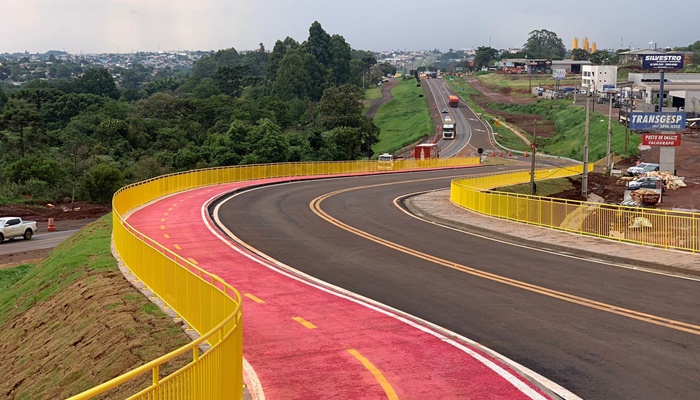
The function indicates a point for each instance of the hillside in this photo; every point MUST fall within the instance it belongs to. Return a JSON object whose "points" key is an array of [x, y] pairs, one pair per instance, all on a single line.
{"points": [[73, 321]]}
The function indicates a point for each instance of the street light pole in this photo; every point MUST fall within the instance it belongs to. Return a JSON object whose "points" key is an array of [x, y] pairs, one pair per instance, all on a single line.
{"points": [[584, 179], [608, 160], [533, 188]]}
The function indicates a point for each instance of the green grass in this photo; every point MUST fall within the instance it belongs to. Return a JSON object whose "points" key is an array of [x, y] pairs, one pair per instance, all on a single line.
{"points": [[373, 93], [569, 121], [520, 84], [10, 276], [404, 119], [544, 188]]}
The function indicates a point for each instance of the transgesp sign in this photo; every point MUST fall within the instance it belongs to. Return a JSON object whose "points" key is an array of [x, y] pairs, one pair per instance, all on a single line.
{"points": [[649, 121]]}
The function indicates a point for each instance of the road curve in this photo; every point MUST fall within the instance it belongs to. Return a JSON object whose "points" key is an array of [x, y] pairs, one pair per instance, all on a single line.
{"points": [[598, 330]]}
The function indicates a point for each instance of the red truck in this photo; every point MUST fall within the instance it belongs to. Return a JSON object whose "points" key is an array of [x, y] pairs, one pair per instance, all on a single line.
{"points": [[426, 151], [454, 101]]}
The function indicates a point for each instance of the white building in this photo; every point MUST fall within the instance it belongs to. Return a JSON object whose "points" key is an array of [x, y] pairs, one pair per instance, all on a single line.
{"points": [[597, 78]]}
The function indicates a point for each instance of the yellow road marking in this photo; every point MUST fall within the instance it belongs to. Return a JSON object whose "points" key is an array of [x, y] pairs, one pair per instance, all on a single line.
{"points": [[165, 214], [255, 299], [315, 206], [175, 205], [166, 236], [390, 393], [304, 322], [162, 227], [162, 220], [177, 247], [193, 261]]}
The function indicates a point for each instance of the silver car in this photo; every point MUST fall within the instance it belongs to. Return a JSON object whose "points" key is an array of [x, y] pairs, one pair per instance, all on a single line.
{"points": [[642, 168]]}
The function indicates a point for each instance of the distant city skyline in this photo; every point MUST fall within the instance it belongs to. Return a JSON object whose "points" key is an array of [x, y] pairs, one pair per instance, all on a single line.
{"points": [[125, 26]]}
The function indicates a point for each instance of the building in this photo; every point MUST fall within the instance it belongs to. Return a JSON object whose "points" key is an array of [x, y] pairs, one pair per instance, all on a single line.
{"points": [[598, 78], [571, 66], [634, 57], [681, 91]]}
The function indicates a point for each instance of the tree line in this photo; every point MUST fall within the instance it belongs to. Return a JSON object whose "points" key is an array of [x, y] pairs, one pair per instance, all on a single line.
{"points": [[86, 137]]}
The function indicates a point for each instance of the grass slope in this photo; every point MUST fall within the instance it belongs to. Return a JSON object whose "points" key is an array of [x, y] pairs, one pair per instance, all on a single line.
{"points": [[402, 120], [521, 84], [73, 321], [570, 122]]}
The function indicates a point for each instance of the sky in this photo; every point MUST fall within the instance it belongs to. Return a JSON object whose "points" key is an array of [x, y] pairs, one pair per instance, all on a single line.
{"points": [[124, 26]]}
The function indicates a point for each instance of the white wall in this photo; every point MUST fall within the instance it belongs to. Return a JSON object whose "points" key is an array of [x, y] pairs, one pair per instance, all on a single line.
{"points": [[595, 76]]}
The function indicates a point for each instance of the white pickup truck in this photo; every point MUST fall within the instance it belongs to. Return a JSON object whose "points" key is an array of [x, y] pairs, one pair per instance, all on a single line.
{"points": [[12, 227]]}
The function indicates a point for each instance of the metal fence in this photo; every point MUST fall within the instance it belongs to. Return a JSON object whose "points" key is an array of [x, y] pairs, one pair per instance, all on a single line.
{"points": [[646, 226], [203, 300]]}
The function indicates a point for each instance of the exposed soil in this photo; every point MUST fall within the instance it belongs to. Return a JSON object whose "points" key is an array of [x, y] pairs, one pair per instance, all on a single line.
{"points": [[59, 212], [687, 159], [386, 96]]}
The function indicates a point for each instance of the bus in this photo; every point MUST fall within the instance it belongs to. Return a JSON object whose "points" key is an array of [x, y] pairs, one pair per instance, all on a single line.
{"points": [[449, 130]]}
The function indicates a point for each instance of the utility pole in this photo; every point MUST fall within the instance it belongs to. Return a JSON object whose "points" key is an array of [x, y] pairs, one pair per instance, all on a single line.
{"points": [[584, 179], [608, 159], [533, 185]]}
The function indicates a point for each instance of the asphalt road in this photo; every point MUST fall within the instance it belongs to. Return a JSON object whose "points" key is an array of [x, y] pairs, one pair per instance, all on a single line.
{"points": [[626, 334], [40, 241]]}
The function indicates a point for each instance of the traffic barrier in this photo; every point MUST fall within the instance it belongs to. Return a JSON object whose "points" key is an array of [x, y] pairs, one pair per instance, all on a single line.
{"points": [[51, 227]]}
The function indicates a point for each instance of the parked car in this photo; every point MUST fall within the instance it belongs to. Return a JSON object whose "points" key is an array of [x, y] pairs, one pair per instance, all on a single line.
{"points": [[642, 168], [12, 227], [646, 182]]}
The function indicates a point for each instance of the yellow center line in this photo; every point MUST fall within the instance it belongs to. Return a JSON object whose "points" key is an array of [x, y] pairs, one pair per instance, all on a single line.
{"points": [[304, 322], [169, 209], [162, 227], [193, 261], [255, 299], [177, 247], [315, 206], [162, 220], [165, 214], [166, 236], [390, 393]]}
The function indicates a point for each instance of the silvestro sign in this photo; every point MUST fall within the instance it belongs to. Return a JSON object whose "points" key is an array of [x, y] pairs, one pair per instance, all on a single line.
{"points": [[662, 61], [648, 121]]}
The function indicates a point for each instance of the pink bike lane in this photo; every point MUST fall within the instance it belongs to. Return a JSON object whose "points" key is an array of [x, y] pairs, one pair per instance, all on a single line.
{"points": [[308, 341]]}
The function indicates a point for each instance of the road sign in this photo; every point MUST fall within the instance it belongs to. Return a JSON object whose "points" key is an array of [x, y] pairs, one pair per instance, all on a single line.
{"points": [[654, 139], [649, 121], [459, 69], [559, 74], [662, 61]]}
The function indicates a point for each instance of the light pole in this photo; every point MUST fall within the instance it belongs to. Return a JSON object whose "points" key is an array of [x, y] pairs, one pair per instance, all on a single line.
{"points": [[533, 188], [584, 179], [608, 159]]}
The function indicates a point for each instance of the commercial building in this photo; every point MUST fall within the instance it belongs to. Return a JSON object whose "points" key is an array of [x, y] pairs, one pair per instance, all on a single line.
{"points": [[598, 78]]}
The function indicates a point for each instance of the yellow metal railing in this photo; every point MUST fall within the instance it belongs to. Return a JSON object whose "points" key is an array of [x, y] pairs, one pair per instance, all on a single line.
{"points": [[207, 303], [651, 227]]}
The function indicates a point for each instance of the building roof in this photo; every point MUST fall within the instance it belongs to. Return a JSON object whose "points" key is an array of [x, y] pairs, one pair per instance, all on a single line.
{"points": [[571, 62]]}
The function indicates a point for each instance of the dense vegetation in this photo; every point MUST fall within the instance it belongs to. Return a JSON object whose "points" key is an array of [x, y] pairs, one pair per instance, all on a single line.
{"points": [[85, 137]]}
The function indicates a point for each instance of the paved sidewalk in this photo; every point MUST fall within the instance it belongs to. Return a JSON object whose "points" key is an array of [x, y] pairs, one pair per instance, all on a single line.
{"points": [[436, 206]]}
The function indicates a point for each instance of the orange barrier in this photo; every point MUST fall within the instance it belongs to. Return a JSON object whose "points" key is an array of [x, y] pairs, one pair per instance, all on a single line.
{"points": [[51, 227]]}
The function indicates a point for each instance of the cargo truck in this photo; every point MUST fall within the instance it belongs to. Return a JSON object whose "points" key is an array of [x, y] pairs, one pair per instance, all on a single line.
{"points": [[454, 101], [426, 151]]}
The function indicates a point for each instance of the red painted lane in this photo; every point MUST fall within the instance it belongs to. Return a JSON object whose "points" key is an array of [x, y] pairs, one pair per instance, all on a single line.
{"points": [[295, 362]]}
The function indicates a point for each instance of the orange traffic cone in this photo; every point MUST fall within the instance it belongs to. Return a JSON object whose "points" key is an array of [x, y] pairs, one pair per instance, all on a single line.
{"points": [[493, 153], [51, 227], [510, 154], [500, 153], [526, 154]]}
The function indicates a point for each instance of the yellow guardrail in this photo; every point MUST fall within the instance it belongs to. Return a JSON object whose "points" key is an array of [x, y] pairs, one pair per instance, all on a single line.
{"points": [[651, 227], [203, 300]]}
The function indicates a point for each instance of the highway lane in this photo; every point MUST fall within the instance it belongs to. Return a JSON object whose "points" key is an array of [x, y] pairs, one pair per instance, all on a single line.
{"points": [[40, 241], [596, 352], [450, 147]]}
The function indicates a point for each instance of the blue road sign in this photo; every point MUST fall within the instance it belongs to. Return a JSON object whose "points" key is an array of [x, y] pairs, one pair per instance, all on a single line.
{"points": [[649, 121]]}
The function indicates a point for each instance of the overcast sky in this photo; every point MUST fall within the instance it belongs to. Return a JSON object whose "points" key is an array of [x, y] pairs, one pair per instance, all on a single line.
{"points": [[93, 26]]}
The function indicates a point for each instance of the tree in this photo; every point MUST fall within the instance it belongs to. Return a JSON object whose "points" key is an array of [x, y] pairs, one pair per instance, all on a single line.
{"points": [[484, 56], [3, 98], [19, 120], [544, 44], [293, 81], [580, 54], [368, 61], [319, 44], [97, 81], [341, 56], [101, 182], [232, 79], [278, 53], [267, 143], [37, 92], [603, 57]]}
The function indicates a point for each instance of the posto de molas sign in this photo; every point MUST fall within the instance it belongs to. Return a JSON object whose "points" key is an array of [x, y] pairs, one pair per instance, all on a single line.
{"points": [[662, 61], [657, 139]]}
